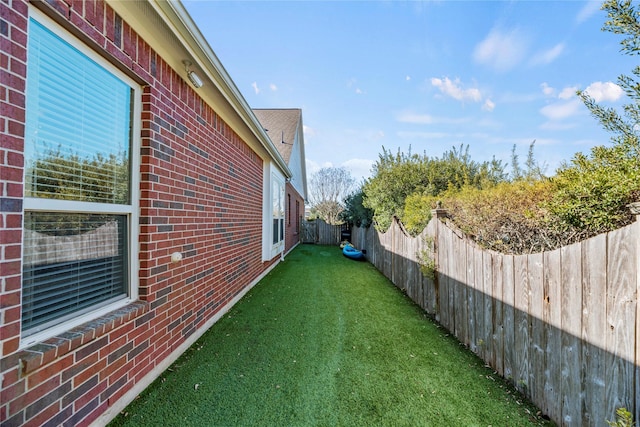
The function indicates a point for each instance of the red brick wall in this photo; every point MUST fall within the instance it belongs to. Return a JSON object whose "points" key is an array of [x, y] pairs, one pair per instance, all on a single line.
{"points": [[293, 219], [201, 195]]}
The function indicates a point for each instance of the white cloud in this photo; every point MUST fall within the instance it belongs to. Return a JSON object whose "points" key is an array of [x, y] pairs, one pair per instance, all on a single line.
{"points": [[556, 126], [308, 132], [568, 92], [255, 87], [313, 166], [455, 90], [561, 110], [548, 56], [353, 84], [422, 135], [501, 50], [407, 78], [607, 91], [364, 135], [547, 90], [420, 119], [590, 8], [427, 119], [488, 105], [273, 87], [359, 168]]}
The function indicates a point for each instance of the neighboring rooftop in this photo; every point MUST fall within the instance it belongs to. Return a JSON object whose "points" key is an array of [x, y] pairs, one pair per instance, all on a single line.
{"points": [[281, 125]]}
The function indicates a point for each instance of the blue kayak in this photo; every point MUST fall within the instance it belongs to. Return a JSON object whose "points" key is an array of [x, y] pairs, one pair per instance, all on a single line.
{"points": [[350, 252]]}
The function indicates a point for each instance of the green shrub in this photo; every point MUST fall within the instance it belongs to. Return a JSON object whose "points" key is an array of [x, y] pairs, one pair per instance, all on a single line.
{"points": [[398, 176], [590, 196], [506, 218], [623, 419]]}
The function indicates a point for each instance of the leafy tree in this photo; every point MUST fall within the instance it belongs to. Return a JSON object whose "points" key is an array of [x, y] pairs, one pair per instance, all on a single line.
{"points": [[58, 175], [355, 212], [533, 169], [329, 187], [593, 190], [398, 176]]}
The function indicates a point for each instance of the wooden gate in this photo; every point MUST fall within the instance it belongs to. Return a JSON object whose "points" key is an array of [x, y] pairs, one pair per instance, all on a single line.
{"points": [[309, 232]]}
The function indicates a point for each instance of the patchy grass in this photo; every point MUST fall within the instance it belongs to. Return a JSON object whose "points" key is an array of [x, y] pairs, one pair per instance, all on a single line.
{"points": [[327, 341]]}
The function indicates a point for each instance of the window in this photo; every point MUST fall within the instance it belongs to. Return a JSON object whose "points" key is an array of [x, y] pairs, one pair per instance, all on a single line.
{"points": [[80, 198], [277, 194]]}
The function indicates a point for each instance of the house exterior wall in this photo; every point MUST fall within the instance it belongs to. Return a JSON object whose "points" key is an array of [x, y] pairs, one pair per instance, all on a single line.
{"points": [[200, 194], [294, 215], [297, 163]]}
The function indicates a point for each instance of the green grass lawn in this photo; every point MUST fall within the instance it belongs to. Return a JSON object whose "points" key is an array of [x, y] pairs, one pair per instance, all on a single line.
{"points": [[327, 341]]}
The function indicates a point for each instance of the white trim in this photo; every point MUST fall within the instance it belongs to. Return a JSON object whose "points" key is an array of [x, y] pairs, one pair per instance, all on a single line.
{"points": [[130, 210], [57, 205], [175, 15], [271, 174], [112, 411]]}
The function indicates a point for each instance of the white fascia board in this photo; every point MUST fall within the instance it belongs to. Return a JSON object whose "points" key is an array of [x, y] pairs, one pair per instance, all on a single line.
{"points": [[181, 21], [303, 158], [196, 49]]}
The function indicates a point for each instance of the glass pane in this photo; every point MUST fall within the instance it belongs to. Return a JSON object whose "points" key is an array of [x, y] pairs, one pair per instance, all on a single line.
{"points": [[275, 231], [282, 229], [275, 195], [77, 142], [72, 263]]}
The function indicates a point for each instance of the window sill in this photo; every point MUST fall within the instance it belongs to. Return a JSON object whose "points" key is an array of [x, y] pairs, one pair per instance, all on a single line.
{"points": [[38, 355]]}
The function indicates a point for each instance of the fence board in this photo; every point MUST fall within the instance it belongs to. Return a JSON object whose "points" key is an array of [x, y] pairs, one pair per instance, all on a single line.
{"points": [[487, 306], [571, 332], [412, 270], [478, 336], [328, 234], [446, 316], [552, 315], [521, 319], [497, 314], [535, 272], [460, 290], [431, 285], [508, 284], [594, 329], [101, 242], [386, 243], [621, 300], [470, 300]]}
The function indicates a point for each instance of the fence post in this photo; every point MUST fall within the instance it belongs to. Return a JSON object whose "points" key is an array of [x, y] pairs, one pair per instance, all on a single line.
{"points": [[437, 214]]}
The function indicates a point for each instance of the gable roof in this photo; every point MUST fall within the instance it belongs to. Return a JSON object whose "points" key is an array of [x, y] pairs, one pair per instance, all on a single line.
{"points": [[281, 125], [285, 129]]}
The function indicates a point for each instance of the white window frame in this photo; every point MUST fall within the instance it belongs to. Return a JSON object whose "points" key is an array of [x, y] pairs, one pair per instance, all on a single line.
{"points": [[131, 210], [272, 175]]}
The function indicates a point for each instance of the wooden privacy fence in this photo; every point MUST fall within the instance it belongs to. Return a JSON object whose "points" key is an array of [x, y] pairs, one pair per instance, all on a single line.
{"points": [[45, 249], [563, 326], [318, 231]]}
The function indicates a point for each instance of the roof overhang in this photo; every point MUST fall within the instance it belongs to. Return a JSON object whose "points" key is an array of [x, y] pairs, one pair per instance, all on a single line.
{"points": [[171, 32]]}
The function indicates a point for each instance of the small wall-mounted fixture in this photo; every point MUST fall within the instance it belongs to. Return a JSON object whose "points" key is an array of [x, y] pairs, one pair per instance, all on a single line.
{"points": [[176, 257], [193, 77]]}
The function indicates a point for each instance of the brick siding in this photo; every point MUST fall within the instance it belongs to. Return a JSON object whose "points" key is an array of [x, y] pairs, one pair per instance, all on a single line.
{"points": [[200, 194], [293, 219]]}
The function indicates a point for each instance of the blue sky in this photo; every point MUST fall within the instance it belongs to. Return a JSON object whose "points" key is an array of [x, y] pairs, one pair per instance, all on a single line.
{"points": [[428, 75]]}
